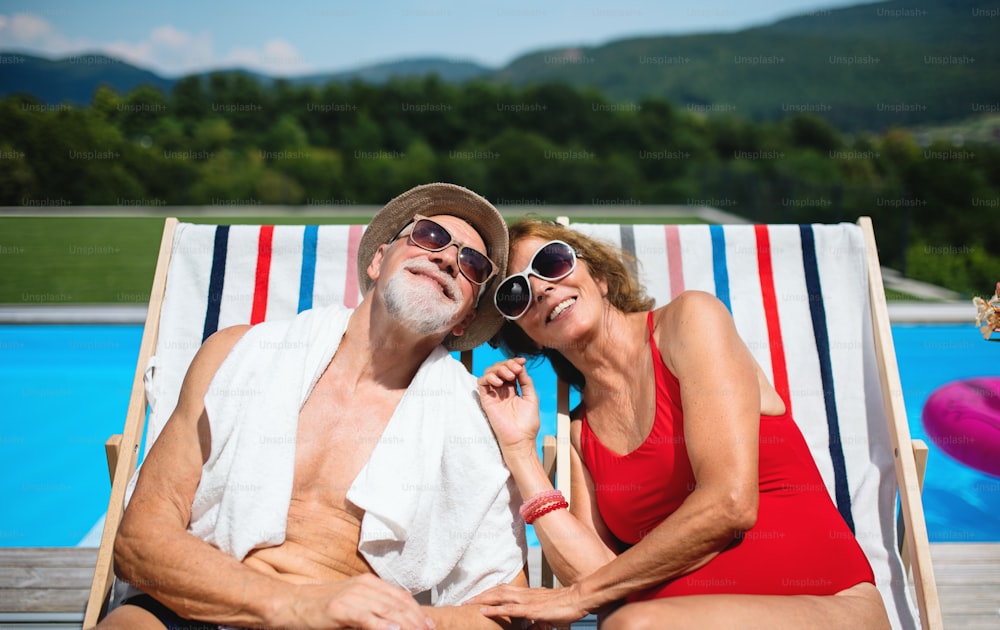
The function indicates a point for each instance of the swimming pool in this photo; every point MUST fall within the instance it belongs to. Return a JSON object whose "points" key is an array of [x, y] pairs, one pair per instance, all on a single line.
{"points": [[66, 388], [960, 503]]}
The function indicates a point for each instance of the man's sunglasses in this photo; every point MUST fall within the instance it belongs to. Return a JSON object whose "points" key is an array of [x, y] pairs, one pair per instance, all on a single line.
{"points": [[433, 237], [553, 261]]}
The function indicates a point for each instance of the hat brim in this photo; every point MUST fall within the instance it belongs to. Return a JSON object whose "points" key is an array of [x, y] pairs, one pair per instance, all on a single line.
{"points": [[442, 198]]}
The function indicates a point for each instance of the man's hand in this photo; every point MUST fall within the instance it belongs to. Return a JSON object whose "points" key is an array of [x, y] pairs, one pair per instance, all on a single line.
{"points": [[365, 602]]}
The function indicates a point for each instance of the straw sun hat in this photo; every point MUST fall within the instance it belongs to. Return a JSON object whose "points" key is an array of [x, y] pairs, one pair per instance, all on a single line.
{"points": [[439, 198]]}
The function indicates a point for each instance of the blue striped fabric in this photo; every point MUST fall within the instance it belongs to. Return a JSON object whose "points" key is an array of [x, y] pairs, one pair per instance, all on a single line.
{"points": [[719, 265], [308, 277], [627, 234], [820, 331], [216, 280]]}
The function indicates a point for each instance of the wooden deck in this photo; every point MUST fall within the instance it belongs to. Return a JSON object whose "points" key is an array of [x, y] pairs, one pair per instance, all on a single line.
{"points": [[968, 581], [47, 588]]}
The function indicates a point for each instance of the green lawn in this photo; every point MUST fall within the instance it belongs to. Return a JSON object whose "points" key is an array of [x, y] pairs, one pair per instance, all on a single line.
{"points": [[77, 260], [87, 260], [109, 260], [895, 295]]}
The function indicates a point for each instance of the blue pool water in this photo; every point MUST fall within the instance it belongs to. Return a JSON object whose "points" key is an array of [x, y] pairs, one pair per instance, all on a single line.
{"points": [[65, 389], [960, 503]]}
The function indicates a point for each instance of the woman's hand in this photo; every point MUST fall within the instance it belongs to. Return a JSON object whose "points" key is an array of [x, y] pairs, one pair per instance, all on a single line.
{"points": [[541, 605], [513, 416]]}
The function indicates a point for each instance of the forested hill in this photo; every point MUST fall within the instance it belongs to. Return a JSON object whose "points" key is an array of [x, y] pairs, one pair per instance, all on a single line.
{"points": [[72, 79], [75, 79], [869, 66]]}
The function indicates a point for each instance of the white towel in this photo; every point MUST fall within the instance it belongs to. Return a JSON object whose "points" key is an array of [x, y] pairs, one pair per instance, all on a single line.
{"points": [[252, 405], [440, 507]]}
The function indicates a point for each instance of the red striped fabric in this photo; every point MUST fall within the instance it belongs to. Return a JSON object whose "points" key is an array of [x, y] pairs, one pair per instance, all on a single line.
{"points": [[351, 288], [259, 311], [775, 343], [674, 260]]}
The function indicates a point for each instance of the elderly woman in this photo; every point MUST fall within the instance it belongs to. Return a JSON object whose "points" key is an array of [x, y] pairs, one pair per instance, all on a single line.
{"points": [[696, 501]]}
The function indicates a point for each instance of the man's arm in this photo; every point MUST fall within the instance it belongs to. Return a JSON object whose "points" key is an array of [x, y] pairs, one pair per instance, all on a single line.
{"points": [[155, 552]]}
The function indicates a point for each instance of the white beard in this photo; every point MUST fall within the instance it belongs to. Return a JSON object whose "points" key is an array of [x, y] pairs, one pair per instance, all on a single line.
{"points": [[411, 302]]}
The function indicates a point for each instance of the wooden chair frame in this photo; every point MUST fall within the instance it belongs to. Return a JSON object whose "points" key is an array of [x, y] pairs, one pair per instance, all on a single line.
{"points": [[123, 450]]}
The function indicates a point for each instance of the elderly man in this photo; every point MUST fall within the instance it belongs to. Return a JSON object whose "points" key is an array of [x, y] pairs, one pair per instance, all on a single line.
{"points": [[336, 470]]}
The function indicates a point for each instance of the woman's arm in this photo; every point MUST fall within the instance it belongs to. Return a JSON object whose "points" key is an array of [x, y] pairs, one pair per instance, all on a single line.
{"points": [[576, 542]]}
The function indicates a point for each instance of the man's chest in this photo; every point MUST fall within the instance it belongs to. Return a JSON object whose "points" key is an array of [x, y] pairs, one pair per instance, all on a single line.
{"points": [[337, 433]]}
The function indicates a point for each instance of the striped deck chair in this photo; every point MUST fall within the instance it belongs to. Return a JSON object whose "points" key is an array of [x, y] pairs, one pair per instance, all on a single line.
{"points": [[809, 302], [209, 277]]}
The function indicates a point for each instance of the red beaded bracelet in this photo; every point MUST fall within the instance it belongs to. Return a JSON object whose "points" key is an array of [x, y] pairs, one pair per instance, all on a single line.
{"points": [[540, 499], [559, 505]]}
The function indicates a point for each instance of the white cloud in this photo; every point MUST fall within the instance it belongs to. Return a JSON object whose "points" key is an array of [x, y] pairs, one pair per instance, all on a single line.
{"points": [[25, 27], [167, 49], [30, 32], [277, 57], [171, 37]]}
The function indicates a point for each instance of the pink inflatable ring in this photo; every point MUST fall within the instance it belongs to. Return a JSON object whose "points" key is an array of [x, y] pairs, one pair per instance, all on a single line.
{"points": [[963, 419]]}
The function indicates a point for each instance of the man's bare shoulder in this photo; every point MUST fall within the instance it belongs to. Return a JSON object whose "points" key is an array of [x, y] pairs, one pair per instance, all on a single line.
{"points": [[222, 342], [209, 357]]}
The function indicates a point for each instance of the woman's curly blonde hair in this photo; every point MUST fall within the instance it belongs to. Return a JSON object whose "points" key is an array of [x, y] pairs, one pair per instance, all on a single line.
{"points": [[604, 261]]}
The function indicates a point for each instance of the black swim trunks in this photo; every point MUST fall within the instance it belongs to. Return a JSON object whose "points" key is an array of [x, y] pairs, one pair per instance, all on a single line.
{"points": [[167, 617]]}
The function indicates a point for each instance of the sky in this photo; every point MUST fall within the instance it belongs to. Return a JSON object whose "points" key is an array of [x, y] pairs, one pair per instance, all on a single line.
{"points": [[297, 37]]}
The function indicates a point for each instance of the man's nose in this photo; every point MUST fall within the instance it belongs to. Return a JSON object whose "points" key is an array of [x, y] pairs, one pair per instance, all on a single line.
{"points": [[447, 259]]}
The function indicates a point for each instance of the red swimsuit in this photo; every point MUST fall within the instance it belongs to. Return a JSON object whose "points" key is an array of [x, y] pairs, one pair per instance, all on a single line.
{"points": [[800, 543]]}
